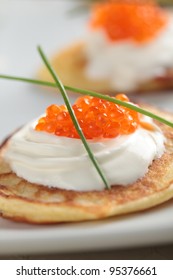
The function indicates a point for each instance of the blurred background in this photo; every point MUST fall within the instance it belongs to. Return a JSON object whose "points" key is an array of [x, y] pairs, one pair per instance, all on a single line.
{"points": [[86, 3], [23, 26]]}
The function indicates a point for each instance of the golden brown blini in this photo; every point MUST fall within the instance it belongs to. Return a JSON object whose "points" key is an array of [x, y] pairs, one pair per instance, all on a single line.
{"points": [[32, 203]]}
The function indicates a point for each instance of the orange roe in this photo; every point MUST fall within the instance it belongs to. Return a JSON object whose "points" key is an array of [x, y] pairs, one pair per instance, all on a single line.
{"points": [[97, 118], [136, 20]]}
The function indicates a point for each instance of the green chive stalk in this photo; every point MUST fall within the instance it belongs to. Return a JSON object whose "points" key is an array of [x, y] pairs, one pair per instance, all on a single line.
{"points": [[59, 85], [91, 93]]}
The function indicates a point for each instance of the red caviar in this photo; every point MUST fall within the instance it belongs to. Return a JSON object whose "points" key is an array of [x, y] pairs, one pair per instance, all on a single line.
{"points": [[136, 20], [98, 118]]}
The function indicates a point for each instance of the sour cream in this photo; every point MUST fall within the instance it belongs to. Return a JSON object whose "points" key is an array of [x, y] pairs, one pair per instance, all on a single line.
{"points": [[126, 64], [53, 161]]}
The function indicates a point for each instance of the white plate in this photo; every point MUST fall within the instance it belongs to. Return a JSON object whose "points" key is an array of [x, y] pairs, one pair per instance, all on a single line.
{"points": [[24, 25], [149, 227]]}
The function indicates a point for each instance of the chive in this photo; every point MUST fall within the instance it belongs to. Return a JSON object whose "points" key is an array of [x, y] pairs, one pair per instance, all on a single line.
{"points": [[92, 93], [73, 117]]}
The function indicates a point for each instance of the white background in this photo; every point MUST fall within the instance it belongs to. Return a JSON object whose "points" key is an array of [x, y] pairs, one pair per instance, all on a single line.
{"points": [[163, 269]]}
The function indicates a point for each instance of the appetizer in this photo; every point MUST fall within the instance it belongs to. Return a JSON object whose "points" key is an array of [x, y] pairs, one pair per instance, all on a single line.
{"points": [[46, 175], [129, 47]]}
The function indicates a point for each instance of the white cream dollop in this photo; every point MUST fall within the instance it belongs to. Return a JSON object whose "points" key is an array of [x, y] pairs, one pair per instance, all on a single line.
{"points": [[126, 64], [53, 161]]}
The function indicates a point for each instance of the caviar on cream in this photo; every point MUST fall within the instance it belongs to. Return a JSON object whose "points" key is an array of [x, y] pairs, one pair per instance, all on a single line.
{"points": [[126, 64], [62, 162]]}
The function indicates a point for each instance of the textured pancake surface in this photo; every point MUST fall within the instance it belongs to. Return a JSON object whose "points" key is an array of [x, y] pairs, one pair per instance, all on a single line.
{"points": [[70, 67], [32, 203]]}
